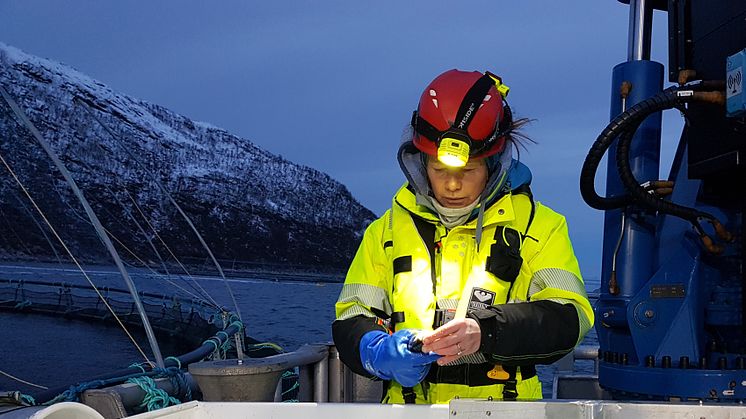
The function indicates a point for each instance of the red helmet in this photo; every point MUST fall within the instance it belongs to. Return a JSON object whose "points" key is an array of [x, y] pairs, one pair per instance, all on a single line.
{"points": [[464, 108]]}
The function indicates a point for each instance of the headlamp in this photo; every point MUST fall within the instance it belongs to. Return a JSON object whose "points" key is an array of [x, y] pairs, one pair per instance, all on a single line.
{"points": [[453, 151], [454, 145]]}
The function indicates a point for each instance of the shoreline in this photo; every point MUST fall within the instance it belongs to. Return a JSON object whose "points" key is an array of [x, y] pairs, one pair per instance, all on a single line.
{"points": [[265, 271]]}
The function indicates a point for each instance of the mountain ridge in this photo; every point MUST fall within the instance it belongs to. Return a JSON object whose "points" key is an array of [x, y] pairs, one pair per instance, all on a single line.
{"points": [[251, 205]]}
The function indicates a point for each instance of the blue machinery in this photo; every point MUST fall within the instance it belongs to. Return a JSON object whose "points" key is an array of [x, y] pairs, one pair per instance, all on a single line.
{"points": [[670, 313]]}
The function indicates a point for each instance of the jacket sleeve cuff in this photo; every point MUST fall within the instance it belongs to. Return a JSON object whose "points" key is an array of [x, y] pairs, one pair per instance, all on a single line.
{"points": [[487, 320], [537, 332], [347, 335]]}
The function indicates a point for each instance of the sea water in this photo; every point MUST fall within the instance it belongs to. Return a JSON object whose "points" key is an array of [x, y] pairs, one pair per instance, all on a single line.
{"points": [[54, 351]]}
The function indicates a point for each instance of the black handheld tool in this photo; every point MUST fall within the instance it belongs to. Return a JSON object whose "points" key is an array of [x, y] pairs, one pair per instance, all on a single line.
{"points": [[416, 344]]}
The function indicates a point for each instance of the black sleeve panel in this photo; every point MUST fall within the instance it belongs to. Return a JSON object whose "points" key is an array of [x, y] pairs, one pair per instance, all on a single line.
{"points": [[347, 334], [537, 332]]}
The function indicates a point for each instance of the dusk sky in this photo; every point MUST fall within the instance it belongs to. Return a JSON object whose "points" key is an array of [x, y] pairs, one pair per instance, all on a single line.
{"points": [[332, 84]]}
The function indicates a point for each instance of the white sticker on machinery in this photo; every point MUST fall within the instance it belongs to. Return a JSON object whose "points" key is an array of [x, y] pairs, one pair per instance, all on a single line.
{"points": [[735, 82]]}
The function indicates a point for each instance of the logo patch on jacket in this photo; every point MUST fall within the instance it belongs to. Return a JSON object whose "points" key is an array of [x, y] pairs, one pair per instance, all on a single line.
{"points": [[481, 298]]}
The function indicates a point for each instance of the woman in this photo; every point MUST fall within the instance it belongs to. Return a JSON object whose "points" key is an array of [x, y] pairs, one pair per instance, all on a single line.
{"points": [[466, 283]]}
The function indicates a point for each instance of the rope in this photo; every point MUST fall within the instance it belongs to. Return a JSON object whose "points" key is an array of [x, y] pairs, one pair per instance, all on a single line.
{"points": [[155, 398], [22, 381], [173, 202], [139, 365], [177, 360], [22, 304], [72, 394], [181, 265], [91, 215], [41, 229], [14, 400], [27, 399], [158, 276], [263, 345], [180, 385], [228, 344], [225, 319], [295, 385], [69, 252], [293, 390], [213, 343]]}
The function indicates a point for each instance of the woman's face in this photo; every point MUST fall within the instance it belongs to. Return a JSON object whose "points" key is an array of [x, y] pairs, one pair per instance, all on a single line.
{"points": [[456, 187]]}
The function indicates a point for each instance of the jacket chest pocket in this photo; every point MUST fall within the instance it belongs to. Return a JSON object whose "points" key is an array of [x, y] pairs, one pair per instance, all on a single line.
{"points": [[505, 258]]}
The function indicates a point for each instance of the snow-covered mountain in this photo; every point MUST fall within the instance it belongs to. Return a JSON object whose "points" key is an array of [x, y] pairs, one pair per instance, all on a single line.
{"points": [[252, 206]]}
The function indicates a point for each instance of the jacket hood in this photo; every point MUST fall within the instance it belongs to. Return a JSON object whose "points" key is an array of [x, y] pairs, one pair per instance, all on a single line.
{"points": [[499, 212], [506, 174]]}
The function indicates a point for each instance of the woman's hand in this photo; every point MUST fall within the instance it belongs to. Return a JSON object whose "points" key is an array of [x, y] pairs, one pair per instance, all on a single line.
{"points": [[453, 340]]}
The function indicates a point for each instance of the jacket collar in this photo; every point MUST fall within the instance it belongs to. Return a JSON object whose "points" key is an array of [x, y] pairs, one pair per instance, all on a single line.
{"points": [[501, 211]]}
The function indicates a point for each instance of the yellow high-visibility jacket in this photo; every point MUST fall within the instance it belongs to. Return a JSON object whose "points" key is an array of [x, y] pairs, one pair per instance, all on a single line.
{"points": [[523, 285]]}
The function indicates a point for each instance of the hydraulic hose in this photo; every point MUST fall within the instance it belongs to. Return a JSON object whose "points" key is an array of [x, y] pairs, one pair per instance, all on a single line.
{"points": [[634, 115], [624, 127], [639, 194]]}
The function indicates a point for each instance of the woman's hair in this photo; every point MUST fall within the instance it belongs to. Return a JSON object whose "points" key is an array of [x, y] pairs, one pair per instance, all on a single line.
{"points": [[517, 137]]}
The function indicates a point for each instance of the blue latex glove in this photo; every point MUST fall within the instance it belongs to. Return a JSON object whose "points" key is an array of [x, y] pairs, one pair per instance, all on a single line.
{"points": [[388, 357]]}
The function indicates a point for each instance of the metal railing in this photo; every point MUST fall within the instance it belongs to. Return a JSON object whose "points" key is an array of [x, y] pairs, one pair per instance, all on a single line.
{"points": [[581, 353], [324, 378]]}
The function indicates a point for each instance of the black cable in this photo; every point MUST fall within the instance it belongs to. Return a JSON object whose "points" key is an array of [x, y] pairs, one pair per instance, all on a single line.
{"points": [[638, 192], [615, 128], [624, 127]]}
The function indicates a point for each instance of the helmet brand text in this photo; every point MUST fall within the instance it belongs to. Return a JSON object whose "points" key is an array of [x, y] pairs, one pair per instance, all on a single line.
{"points": [[466, 117]]}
